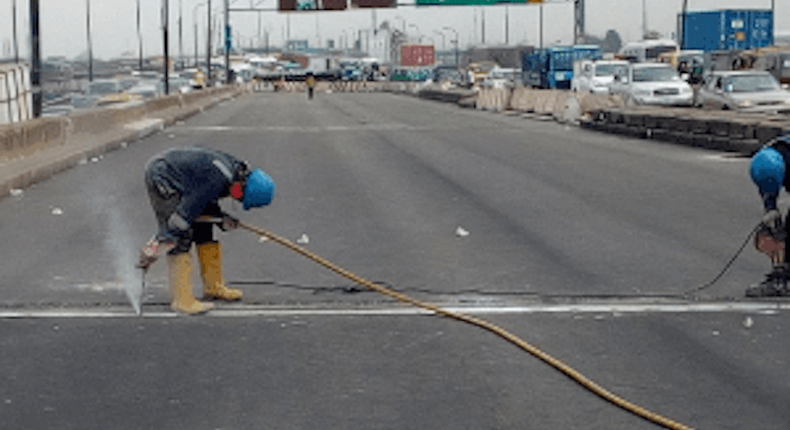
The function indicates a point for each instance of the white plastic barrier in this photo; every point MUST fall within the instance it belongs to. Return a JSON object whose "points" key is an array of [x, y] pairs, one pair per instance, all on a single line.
{"points": [[16, 98]]}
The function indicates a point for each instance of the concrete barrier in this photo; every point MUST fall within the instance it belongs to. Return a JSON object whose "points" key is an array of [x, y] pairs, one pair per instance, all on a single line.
{"points": [[726, 131], [493, 99], [34, 150], [16, 103]]}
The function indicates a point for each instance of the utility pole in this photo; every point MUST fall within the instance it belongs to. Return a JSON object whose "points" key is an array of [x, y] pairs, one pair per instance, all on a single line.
{"points": [[139, 39], [90, 44], [541, 26], [180, 32], [483, 24], [227, 42], [35, 58], [578, 19], [208, 47], [16, 45], [507, 25], [165, 21], [683, 23]]}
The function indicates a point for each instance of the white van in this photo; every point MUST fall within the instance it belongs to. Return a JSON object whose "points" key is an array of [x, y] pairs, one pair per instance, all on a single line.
{"points": [[596, 76], [647, 50]]}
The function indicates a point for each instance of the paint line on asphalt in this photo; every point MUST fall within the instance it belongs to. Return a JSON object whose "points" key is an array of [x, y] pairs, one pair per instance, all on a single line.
{"points": [[306, 129], [252, 311]]}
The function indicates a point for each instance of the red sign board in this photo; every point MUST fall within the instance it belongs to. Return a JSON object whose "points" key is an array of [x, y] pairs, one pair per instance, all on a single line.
{"points": [[415, 54]]}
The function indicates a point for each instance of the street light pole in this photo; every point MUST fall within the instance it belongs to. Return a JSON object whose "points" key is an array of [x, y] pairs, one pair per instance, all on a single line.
{"points": [[227, 42], [16, 45], [165, 28], [180, 32], [195, 21], [456, 43], [139, 39], [507, 25], [208, 47], [541, 26], [90, 45], [419, 36], [35, 57]]}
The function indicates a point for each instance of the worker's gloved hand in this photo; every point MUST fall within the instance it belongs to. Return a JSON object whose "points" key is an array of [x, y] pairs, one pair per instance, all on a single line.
{"points": [[229, 222], [151, 252], [772, 218]]}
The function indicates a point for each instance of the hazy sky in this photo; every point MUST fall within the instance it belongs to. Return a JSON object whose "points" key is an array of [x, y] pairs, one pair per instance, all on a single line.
{"points": [[113, 23]]}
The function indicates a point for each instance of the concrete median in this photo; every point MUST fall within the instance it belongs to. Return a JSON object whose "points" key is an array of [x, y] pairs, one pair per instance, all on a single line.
{"points": [[725, 131], [34, 150]]}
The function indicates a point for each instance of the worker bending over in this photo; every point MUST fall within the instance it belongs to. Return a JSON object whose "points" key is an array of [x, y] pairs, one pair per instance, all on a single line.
{"points": [[184, 185], [768, 170]]}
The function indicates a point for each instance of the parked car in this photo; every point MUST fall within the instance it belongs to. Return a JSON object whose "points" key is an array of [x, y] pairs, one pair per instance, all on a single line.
{"points": [[747, 91], [652, 84], [596, 76], [502, 78]]}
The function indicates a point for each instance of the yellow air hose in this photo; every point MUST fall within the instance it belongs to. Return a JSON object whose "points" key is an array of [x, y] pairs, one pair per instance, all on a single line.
{"points": [[548, 359]]}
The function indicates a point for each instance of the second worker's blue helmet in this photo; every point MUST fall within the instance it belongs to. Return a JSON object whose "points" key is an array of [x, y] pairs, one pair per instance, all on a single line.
{"points": [[259, 190], [768, 170]]}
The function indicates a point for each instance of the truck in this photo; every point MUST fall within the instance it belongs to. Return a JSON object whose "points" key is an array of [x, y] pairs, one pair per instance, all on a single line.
{"points": [[553, 67], [727, 29], [416, 55]]}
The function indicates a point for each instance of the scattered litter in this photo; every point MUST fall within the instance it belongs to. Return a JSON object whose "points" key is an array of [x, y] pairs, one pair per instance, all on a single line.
{"points": [[716, 332], [263, 239], [95, 160], [57, 211], [460, 232], [16, 192], [124, 145], [303, 240], [748, 322]]}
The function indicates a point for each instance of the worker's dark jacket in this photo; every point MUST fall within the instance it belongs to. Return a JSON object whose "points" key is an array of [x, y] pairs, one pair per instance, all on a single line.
{"points": [[184, 183], [769, 200]]}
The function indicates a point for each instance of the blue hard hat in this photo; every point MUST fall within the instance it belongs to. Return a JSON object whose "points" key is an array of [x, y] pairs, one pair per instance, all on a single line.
{"points": [[768, 170], [259, 190]]}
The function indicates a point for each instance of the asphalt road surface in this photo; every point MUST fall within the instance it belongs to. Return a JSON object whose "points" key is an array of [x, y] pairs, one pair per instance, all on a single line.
{"points": [[581, 243]]}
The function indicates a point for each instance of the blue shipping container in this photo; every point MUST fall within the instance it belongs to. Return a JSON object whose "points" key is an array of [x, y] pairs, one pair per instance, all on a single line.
{"points": [[725, 30], [553, 67]]}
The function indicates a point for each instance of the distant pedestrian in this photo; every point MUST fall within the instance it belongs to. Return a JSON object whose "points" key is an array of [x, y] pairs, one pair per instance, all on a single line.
{"points": [[310, 81], [184, 185], [768, 170]]}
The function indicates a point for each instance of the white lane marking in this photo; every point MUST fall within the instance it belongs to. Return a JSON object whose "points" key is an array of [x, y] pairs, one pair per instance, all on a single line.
{"points": [[308, 129], [248, 311]]}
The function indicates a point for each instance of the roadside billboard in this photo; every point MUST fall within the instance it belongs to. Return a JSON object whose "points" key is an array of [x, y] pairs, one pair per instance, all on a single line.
{"points": [[417, 54]]}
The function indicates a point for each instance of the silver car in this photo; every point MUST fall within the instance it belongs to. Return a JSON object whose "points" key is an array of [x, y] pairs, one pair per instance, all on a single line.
{"points": [[746, 91], [652, 84]]}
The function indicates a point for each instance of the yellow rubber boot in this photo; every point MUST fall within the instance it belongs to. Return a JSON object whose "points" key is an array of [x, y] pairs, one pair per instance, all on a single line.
{"points": [[210, 255], [179, 281]]}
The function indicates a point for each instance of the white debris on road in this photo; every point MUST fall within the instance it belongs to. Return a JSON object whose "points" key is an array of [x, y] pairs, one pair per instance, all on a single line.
{"points": [[57, 211], [303, 240], [460, 232]]}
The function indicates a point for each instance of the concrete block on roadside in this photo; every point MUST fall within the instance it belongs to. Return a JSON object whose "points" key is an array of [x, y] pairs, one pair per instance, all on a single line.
{"points": [[746, 147], [744, 130], [765, 132], [572, 111]]}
